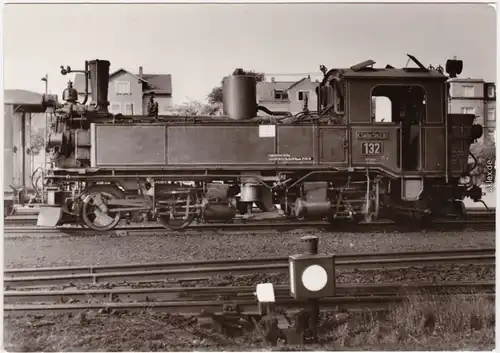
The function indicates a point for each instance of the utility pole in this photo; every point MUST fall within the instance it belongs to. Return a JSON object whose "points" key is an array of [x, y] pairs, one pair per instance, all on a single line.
{"points": [[46, 80]]}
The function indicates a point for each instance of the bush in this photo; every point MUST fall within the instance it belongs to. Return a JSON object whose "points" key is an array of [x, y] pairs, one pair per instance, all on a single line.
{"points": [[485, 154], [197, 108], [36, 144]]}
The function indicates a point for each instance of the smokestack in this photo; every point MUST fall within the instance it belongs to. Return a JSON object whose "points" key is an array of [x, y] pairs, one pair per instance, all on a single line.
{"points": [[99, 81], [140, 71]]}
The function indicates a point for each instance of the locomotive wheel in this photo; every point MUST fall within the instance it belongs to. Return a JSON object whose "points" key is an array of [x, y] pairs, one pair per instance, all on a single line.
{"points": [[266, 202], [175, 224], [89, 216]]}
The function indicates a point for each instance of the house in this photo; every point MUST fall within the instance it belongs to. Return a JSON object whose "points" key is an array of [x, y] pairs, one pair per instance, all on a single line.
{"points": [[287, 95], [129, 93], [474, 96]]}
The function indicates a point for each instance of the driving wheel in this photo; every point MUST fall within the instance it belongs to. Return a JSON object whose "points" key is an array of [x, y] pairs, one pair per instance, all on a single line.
{"points": [[95, 209]]}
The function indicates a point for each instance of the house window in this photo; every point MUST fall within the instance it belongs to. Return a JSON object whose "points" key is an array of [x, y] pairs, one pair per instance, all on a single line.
{"points": [[468, 91], [302, 95], [468, 110], [278, 94], [492, 135], [129, 109], [122, 88], [115, 108], [491, 115], [491, 91]]}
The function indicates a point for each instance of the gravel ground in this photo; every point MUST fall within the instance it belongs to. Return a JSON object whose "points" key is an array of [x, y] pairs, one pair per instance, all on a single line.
{"points": [[106, 249]]}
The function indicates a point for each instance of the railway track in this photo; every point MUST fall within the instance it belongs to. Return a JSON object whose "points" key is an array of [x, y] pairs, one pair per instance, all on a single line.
{"points": [[480, 221], [193, 301], [20, 297], [176, 272], [128, 295]]}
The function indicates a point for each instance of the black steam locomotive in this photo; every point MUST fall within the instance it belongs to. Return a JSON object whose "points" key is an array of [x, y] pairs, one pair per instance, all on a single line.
{"points": [[336, 163]]}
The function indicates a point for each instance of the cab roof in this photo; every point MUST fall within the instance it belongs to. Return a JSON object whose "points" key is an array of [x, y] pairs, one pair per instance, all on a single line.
{"points": [[365, 69], [395, 73]]}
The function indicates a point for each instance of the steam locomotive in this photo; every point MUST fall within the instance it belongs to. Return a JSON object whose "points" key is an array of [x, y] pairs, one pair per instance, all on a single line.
{"points": [[337, 163]]}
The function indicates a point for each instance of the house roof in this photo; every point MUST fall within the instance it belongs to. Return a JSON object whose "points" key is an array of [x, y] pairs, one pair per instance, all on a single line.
{"points": [[297, 83], [466, 80], [157, 83]]}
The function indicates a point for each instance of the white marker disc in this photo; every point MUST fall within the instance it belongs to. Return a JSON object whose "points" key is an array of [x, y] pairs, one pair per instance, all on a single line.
{"points": [[314, 278]]}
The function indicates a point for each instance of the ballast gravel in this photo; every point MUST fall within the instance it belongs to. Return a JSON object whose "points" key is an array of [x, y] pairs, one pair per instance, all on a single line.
{"points": [[109, 250]]}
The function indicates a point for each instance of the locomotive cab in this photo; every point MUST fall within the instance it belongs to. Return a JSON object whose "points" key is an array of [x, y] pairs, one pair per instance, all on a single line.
{"points": [[399, 124]]}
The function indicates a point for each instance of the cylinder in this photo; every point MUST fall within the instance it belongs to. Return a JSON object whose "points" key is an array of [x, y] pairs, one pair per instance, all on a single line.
{"points": [[249, 193], [312, 209], [99, 81], [239, 96], [215, 212]]}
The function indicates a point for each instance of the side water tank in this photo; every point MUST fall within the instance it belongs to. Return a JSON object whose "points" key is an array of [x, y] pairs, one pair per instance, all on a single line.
{"points": [[239, 95]]}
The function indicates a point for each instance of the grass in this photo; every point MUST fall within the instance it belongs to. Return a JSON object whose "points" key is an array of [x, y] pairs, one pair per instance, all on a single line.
{"points": [[423, 322]]}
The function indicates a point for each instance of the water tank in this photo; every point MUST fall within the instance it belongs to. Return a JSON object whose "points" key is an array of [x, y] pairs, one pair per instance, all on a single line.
{"points": [[239, 94]]}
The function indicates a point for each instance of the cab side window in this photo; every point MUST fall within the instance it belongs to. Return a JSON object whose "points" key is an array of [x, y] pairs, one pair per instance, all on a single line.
{"points": [[396, 103], [381, 109]]}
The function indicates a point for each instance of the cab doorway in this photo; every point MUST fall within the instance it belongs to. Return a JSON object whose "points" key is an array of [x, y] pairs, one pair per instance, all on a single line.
{"points": [[402, 105]]}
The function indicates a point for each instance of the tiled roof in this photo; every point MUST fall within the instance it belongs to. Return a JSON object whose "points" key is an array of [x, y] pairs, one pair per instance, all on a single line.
{"points": [[297, 83], [79, 83], [158, 83], [161, 82], [466, 80]]}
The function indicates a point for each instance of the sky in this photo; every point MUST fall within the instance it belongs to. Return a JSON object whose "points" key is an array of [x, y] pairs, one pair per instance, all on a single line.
{"points": [[200, 44]]}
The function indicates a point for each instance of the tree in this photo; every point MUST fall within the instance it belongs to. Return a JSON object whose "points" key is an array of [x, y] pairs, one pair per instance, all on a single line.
{"points": [[197, 108], [37, 143], [485, 154], [215, 96]]}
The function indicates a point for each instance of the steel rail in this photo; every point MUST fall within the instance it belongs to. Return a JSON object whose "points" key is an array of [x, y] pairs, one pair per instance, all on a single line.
{"points": [[479, 221], [151, 266], [233, 292], [246, 307], [206, 271]]}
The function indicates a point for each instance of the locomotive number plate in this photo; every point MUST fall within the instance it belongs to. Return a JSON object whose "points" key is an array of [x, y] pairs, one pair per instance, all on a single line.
{"points": [[371, 148]]}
